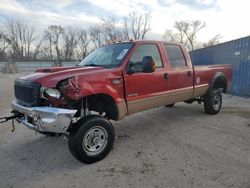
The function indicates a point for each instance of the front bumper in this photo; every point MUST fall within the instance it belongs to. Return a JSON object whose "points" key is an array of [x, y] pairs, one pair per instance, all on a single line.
{"points": [[45, 119]]}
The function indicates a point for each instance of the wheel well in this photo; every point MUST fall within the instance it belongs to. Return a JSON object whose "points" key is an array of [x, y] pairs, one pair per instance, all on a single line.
{"points": [[102, 103], [220, 82]]}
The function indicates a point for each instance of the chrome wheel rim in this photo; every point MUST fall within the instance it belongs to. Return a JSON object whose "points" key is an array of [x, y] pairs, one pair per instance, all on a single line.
{"points": [[216, 102], [95, 140]]}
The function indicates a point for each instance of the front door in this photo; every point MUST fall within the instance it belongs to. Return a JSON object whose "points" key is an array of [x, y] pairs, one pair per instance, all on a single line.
{"points": [[146, 90]]}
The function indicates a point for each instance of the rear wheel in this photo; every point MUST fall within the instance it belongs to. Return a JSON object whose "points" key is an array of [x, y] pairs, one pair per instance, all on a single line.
{"points": [[213, 101], [92, 141]]}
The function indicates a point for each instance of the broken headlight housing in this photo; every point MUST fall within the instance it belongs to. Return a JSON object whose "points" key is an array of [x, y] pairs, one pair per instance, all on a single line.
{"points": [[45, 92]]}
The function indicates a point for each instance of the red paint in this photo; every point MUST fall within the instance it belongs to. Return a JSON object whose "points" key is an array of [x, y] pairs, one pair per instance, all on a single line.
{"points": [[86, 81]]}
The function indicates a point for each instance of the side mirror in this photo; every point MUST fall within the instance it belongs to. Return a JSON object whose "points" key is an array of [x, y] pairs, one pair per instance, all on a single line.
{"points": [[148, 64]]}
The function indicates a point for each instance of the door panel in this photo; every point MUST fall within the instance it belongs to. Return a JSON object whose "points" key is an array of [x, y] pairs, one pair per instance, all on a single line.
{"points": [[146, 90], [180, 85], [180, 76]]}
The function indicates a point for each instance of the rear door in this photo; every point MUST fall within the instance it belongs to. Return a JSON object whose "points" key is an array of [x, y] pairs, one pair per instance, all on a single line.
{"points": [[180, 75], [146, 90]]}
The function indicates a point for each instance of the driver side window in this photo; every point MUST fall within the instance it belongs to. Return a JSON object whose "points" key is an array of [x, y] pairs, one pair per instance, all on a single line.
{"points": [[147, 50]]}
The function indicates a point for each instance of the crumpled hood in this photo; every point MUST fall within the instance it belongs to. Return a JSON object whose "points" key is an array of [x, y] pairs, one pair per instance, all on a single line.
{"points": [[49, 77]]}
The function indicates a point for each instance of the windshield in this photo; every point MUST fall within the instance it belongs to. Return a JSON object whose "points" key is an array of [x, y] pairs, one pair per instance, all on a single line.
{"points": [[107, 56]]}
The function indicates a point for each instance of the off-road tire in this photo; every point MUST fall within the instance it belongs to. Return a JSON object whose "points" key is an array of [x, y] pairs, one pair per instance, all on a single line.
{"points": [[212, 101], [76, 139], [73, 130]]}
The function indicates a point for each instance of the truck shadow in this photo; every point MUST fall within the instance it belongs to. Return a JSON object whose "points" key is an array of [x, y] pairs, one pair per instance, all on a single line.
{"points": [[152, 122], [41, 150], [53, 151], [50, 155]]}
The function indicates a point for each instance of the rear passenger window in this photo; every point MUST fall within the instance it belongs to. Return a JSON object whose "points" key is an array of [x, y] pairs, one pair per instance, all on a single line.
{"points": [[147, 50], [175, 56]]}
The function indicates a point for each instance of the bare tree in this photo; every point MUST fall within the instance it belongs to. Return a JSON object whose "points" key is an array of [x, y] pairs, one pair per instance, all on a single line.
{"points": [[53, 35], [49, 44], [136, 25], [20, 37], [110, 30], [126, 30], [44, 53], [48, 38], [213, 41], [83, 44], [169, 35], [29, 39], [182, 28], [191, 29], [96, 35], [22, 42], [38, 47], [186, 32], [3, 45], [70, 43]]}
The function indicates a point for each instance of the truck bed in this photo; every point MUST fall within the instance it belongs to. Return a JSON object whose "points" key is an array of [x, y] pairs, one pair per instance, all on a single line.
{"points": [[206, 72]]}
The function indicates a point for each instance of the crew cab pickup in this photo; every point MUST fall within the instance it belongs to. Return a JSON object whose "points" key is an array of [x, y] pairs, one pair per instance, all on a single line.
{"points": [[111, 83]]}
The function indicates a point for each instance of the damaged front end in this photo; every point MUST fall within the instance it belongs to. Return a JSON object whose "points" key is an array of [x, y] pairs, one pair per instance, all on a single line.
{"points": [[65, 95], [44, 118], [45, 109]]}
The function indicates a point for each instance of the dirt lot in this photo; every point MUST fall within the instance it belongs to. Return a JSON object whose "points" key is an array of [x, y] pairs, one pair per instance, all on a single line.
{"points": [[164, 147]]}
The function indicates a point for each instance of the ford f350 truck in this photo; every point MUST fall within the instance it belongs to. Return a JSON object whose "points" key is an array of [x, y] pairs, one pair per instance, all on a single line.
{"points": [[111, 83]]}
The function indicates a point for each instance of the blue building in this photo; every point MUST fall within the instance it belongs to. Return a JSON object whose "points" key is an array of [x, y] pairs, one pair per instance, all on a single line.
{"points": [[236, 53]]}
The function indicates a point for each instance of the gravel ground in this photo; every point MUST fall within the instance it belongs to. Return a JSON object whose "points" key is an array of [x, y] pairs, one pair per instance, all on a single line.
{"points": [[177, 147]]}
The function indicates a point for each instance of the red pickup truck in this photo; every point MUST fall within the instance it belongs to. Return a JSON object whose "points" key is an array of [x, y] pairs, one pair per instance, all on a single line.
{"points": [[112, 82]]}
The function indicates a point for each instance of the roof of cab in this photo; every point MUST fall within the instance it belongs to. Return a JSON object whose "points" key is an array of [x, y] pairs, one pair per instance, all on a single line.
{"points": [[145, 42]]}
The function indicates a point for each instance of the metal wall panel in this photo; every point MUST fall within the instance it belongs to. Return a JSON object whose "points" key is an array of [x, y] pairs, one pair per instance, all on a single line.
{"points": [[236, 53], [33, 66], [69, 64]]}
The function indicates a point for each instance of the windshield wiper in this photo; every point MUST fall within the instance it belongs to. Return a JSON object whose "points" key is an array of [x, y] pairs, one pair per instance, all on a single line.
{"points": [[93, 65], [104, 66], [110, 65]]}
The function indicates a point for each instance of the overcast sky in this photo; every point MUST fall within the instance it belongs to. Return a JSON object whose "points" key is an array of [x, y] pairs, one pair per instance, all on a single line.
{"points": [[226, 17]]}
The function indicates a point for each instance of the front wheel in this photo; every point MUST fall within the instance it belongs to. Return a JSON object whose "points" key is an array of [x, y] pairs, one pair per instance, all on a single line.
{"points": [[213, 101], [92, 141]]}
